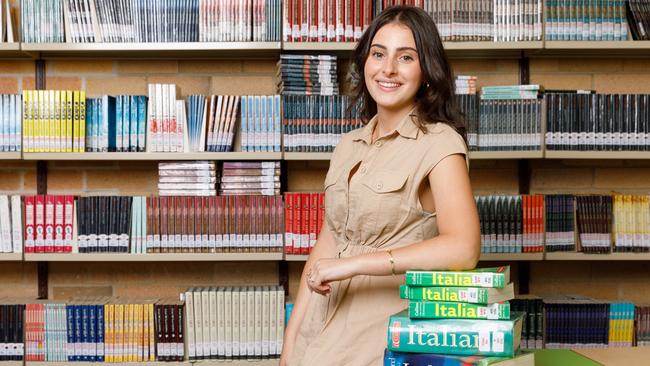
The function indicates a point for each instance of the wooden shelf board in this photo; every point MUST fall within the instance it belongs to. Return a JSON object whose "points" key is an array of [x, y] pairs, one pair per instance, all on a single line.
{"points": [[153, 49], [12, 363], [154, 156], [11, 257], [318, 46], [450, 46], [553, 154], [14, 46], [296, 257], [597, 45], [480, 155], [512, 256], [307, 156], [574, 256], [163, 257], [10, 155]]}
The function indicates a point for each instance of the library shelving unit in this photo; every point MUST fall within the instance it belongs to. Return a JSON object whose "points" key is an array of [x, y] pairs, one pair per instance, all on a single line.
{"points": [[496, 257], [268, 362], [156, 257], [596, 48], [11, 257], [178, 50], [554, 154], [577, 256], [154, 156], [10, 155], [319, 46], [11, 50]]}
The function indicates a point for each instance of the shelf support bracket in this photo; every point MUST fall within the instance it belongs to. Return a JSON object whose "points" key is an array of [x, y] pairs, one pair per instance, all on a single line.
{"points": [[41, 186]]}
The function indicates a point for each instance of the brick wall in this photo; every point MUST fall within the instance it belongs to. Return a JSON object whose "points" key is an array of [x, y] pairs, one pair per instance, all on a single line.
{"points": [[613, 280]]}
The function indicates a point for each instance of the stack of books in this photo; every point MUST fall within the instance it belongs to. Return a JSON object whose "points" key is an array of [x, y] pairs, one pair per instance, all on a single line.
{"points": [[307, 75], [454, 314], [191, 178], [250, 178]]}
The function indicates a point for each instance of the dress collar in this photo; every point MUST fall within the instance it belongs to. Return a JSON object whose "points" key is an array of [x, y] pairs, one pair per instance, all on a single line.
{"points": [[406, 128]]}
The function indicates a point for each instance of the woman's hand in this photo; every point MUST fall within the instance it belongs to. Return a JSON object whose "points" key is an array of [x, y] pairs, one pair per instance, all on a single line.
{"points": [[325, 271]]}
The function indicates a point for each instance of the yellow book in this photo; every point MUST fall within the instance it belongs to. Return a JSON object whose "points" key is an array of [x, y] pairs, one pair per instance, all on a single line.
{"points": [[82, 120], [139, 332], [57, 120], [616, 224], [27, 121], [638, 221], [152, 334], [132, 338], [145, 333], [51, 122], [119, 341], [40, 130], [107, 333], [45, 121], [68, 120], [75, 120]]}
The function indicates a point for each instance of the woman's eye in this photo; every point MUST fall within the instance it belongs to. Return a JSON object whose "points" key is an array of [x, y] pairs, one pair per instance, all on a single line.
{"points": [[407, 58], [377, 54]]}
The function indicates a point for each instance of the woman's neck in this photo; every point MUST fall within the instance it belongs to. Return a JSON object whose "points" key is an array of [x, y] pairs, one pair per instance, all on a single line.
{"points": [[389, 119]]}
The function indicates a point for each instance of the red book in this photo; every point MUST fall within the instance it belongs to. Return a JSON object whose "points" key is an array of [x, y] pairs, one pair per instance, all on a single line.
{"points": [[49, 224], [39, 223], [288, 223], [297, 218], [321, 213], [29, 219], [313, 219], [539, 245], [59, 219], [304, 224], [68, 223], [164, 239], [349, 20]]}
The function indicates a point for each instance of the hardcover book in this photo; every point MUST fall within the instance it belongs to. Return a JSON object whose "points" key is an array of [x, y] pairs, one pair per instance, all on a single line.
{"points": [[496, 277], [457, 310], [455, 336], [431, 359], [473, 295]]}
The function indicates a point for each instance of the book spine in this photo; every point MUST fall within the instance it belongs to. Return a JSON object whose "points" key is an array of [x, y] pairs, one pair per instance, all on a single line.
{"points": [[456, 310], [473, 295], [454, 279]]}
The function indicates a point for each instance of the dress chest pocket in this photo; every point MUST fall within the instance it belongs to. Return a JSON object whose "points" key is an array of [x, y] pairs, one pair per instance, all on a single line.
{"points": [[335, 198], [386, 199]]}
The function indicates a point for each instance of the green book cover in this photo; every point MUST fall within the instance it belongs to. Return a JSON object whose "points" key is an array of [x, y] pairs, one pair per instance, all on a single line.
{"points": [[457, 310], [473, 295], [498, 338], [496, 277]]}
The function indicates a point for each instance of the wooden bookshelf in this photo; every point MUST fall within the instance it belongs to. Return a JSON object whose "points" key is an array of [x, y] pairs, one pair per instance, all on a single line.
{"points": [[504, 155], [552, 154], [308, 156], [154, 156], [576, 256], [597, 48], [11, 257], [12, 51], [319, 46], [10, 156], [13, 363], [178, 50], [162, 257], [512, 257]]}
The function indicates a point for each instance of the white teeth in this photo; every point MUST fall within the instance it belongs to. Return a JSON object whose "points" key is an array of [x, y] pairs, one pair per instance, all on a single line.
{"points": [[388, 85]]}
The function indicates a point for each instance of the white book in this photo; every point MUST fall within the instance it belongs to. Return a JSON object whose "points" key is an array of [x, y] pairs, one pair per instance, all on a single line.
{"points": [[250, 323], [273, 321], [175, 140], [228, 311], [198, 321], [214, 318], [182, 135], [257, 345], [280, 316], [16, 224], [6, 245], [221, 322], [207, 320], [235, 321], [204, 125], [266, 320], [243, 312], [166, 118]]}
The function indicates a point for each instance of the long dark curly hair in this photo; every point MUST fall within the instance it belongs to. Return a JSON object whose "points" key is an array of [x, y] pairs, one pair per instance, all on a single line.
{"points": [[435, 101]]}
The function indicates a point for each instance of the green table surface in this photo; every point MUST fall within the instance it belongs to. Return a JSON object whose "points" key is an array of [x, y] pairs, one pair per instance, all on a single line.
{"points": [[561, 357]]}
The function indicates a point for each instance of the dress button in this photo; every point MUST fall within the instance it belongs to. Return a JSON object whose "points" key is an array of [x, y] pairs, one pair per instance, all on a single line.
{"points": [[363, 169], [379, 185], [378, 144]]}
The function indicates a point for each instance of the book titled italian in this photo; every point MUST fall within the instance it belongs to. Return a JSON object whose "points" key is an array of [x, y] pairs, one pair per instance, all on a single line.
{"points": [[474, 295], [431, 359], [457, 310], [498, 338], [496, 277]]}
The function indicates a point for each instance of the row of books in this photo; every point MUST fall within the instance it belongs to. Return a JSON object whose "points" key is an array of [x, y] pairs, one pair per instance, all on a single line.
{"points": [[560, 223], [104, 330], [250, 178], [10, 122], [638, 19], [532, 325], [12, 323], [234, 322], [11, 232], [590, 121], [115, 123], [187, 178], [586, 20], [113, 21], [304, 214], [315, 123], [642, 325], [511, 224], [7, 30], [307, 75]]}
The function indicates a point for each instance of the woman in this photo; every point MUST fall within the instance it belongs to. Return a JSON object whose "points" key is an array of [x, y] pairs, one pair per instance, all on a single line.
{"points": [[397, 197]]}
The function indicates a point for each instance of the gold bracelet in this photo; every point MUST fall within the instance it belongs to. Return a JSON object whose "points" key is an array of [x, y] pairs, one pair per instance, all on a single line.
{"points": [[392, 262]]}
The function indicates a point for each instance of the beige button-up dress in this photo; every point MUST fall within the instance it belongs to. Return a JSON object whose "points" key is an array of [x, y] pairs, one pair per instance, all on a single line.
{"points": [[376, 209]]}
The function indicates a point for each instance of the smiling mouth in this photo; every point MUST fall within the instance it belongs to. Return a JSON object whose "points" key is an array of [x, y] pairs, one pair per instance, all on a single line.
{"points": [[389, 85]]}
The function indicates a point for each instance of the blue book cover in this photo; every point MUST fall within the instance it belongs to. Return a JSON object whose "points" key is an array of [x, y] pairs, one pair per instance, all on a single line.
{"points": [[250, 141], [243, 126], [100, 332], [257, 121], [70, 331], [119, 104], [89, 123], [142, 122], [277, 123], [126, 115], [78, 339], [430, 359], [263, 118], [109, 123], [92, 332], [133, 123], [85, 332]]}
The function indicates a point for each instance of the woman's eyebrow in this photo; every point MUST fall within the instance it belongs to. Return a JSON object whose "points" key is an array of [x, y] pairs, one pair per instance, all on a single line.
{"points": [[399, 48]]}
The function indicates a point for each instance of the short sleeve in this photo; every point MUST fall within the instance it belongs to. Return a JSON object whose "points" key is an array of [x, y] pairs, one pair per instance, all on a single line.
{"points": [[444, 143]]}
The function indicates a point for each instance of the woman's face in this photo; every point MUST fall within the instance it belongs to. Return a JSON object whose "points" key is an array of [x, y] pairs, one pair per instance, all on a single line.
{"points": [[392, 70]]}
